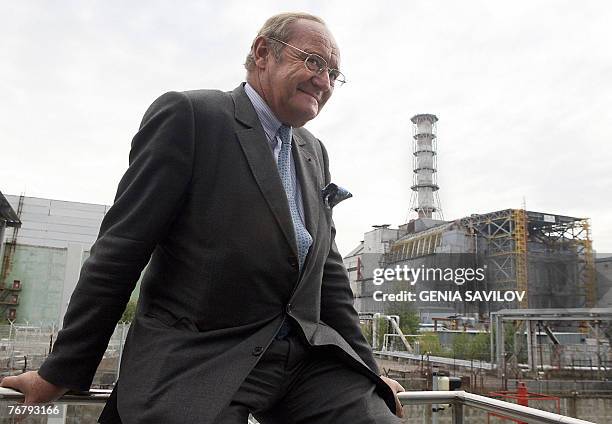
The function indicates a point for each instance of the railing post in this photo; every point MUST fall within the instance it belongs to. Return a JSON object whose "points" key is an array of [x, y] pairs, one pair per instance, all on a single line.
{"points": [[457, 413], [375, 330]]}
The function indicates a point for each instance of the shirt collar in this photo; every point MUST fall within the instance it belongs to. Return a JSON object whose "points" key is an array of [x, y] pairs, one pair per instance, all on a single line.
{"points": [[269, 121]]}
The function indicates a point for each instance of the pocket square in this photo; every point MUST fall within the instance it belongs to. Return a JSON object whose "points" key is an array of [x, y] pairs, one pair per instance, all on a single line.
{"points": [[334, 194]]}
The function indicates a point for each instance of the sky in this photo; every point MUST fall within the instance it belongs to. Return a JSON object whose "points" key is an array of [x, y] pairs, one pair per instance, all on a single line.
{"points": [[522, 90]]}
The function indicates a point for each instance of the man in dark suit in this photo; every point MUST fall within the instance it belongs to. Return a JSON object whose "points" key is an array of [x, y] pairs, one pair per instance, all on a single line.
{"points": [[245, 305]]}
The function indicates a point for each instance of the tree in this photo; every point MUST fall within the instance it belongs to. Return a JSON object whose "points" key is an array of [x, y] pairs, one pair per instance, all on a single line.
{"points": [[130, 311], [382, 327], [461, 345], [430, 343], [480, 347], [408, 318]]}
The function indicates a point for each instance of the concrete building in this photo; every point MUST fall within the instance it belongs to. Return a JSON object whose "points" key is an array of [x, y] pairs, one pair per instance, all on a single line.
{"points": [[474, 265], [547, 257], [45, 254], [603, 266]]}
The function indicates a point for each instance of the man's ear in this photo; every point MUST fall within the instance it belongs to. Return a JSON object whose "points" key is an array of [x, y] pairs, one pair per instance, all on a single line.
{"points": [[261, 52]]}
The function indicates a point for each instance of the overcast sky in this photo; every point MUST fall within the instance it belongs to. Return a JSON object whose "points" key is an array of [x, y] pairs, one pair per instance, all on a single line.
{"points": [[522, 90]]}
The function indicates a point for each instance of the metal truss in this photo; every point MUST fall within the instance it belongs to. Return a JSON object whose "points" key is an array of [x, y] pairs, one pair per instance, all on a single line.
{"points": [[505, 249], [511, 233], [572, 237]]}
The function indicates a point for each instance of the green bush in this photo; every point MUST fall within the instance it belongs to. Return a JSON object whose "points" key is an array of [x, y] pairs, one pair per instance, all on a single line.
{"points": [[129, 312], [430, 343]]}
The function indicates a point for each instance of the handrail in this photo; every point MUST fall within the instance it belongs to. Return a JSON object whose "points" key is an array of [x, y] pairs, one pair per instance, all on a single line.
{"points": [[93, 396], [458, 399], [511, 410]]}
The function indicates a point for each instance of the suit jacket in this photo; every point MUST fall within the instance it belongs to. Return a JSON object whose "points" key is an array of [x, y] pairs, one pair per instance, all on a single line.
{"points": [[203, 203]]}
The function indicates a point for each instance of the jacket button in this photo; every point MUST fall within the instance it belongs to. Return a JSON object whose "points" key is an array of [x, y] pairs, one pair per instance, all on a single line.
{"points": [[293, 262], [257, 351], [288, 308]]}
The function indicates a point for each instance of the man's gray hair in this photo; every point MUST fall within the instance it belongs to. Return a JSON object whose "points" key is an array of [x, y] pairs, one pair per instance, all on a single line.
{"points": [[279, 27]]}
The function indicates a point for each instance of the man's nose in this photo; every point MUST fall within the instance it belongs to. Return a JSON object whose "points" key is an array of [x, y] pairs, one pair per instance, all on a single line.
{"points": [[322, 81]]}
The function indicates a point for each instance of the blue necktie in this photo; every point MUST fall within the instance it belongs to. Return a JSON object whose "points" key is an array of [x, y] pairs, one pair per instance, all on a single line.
{"points": [[302, 237]]}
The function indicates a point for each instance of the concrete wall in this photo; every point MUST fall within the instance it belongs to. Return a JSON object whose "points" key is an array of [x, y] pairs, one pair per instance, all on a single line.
{"points": [[603, 267], [52, 244], [375, 243], [41, 271], [55, 223]]}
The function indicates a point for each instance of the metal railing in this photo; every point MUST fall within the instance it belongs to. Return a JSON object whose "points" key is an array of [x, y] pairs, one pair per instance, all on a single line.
{"points": [[458, 399]]}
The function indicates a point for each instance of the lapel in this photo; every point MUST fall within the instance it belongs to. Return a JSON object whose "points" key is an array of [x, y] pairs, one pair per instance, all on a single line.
{"points": [[261, 162], [306, 169]]}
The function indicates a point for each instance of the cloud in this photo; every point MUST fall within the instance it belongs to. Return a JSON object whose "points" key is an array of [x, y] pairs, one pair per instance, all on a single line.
{"points": [[522, 92]]}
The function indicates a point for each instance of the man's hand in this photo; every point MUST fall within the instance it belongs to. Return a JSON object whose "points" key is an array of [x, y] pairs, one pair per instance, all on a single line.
{"points": [[395, 387], [35, 389]]}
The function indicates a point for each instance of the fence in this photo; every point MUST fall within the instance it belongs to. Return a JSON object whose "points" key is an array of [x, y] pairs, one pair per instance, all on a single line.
{"points": [[24, 347]]}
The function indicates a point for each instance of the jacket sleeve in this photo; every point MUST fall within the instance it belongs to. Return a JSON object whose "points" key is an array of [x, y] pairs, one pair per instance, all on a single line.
{"points": [[159, 172], [337, 308]]}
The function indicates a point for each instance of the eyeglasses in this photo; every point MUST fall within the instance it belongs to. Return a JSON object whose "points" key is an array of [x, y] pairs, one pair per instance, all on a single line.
{"points": [[317, 64]]}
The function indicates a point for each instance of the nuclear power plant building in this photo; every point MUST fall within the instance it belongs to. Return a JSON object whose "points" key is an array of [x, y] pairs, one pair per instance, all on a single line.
{"points": [[530, 259]]}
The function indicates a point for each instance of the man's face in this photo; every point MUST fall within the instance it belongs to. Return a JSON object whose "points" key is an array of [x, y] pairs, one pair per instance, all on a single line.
{"points": [[295, 94]]}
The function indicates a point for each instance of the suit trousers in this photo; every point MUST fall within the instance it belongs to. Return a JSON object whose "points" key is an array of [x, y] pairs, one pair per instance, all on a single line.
{"points": [[294, 383]]}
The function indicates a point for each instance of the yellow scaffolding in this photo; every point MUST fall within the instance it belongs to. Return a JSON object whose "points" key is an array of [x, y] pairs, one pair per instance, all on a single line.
{"points": [[588, 280], [520, 252]]}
